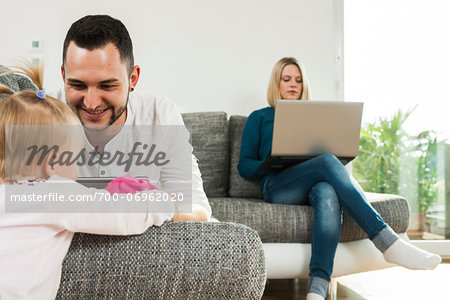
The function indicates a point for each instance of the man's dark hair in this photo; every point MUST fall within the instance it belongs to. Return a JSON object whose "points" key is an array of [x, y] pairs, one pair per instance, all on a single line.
{"points": [[96, 31]]}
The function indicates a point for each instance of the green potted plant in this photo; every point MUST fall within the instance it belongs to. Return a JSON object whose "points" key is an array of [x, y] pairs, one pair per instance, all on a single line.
{"points": [[427, 191], [391, 161], [382, 143]]}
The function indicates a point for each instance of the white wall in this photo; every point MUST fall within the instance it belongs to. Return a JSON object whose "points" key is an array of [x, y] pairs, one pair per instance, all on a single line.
{"points": [[206, 55]]}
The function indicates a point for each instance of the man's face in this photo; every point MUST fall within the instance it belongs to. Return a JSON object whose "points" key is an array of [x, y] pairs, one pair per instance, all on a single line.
{"points": [[97, 84]]}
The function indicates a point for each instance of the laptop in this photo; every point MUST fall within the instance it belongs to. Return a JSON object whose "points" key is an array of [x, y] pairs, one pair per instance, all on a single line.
{"points": [[305, 129]]}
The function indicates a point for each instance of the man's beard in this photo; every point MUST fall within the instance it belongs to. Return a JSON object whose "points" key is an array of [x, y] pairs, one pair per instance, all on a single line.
{"points": [[120, 111]]}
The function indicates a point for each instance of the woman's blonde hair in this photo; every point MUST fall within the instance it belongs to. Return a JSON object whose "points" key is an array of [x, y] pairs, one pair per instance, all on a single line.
{"points": [[273, 91], [28, 114]]}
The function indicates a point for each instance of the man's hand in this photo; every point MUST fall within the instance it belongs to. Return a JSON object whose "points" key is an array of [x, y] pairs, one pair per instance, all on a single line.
{"points": [[198, 214]]}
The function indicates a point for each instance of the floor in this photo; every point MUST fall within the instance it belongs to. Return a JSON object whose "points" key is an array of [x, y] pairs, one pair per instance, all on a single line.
{"points": [[388, 284]]}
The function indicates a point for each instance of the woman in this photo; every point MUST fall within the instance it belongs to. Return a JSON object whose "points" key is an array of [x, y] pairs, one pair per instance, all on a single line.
{"points": [[321, 182]]}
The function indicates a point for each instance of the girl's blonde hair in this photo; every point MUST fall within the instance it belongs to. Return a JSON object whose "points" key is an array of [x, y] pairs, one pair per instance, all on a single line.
{"points": [[30, 114], [273, 91]]}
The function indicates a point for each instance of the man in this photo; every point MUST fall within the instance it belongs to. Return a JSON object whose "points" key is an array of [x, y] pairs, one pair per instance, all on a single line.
{"points": [[100, 77]]}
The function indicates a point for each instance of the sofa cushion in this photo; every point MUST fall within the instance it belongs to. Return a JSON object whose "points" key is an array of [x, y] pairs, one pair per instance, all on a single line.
{"points": [[15, 82], [276, 223], [178, 260], [239, 187], [209, 137]]}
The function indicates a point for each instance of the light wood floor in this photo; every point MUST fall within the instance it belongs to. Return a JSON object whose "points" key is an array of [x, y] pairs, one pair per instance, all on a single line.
{"points": [[394, 283]]}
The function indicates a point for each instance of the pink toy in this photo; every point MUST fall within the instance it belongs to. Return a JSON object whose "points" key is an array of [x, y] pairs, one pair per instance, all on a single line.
{"points": [[128, 184]]}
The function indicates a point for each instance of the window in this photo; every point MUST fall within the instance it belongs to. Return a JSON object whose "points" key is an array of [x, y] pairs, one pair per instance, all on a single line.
{"points": [[397, 59]]}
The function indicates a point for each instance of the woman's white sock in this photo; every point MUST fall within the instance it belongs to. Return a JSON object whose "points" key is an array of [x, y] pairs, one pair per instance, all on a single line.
{"points": [[406, 255], [314, 296]]}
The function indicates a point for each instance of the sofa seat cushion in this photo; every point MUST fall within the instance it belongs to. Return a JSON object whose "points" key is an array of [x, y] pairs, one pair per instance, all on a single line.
{"points": [[276, 223], [209, 138]]}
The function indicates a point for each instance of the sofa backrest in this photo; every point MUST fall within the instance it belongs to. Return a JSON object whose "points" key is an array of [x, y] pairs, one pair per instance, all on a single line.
{"points": [[217, 144], [239, 187], [210, 140]]}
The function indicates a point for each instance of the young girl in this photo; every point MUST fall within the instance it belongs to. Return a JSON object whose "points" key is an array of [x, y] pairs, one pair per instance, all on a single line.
{"points": [[321, 182], [33, 244]]}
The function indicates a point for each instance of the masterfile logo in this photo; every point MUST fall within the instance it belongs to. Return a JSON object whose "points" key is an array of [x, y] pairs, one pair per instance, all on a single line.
{"points": [[146, 156]]}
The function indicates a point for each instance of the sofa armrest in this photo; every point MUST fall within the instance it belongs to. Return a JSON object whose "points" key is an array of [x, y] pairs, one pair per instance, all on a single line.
{"points": [[183, 260]]}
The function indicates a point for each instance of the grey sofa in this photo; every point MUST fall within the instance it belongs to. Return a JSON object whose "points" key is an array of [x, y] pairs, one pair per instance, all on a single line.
{"points": [[214, 260], [15, 82], [285, 230]]}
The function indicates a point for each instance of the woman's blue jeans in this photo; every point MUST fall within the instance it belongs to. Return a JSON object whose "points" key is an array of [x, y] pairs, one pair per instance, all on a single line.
{"points": [[324, 183]]}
